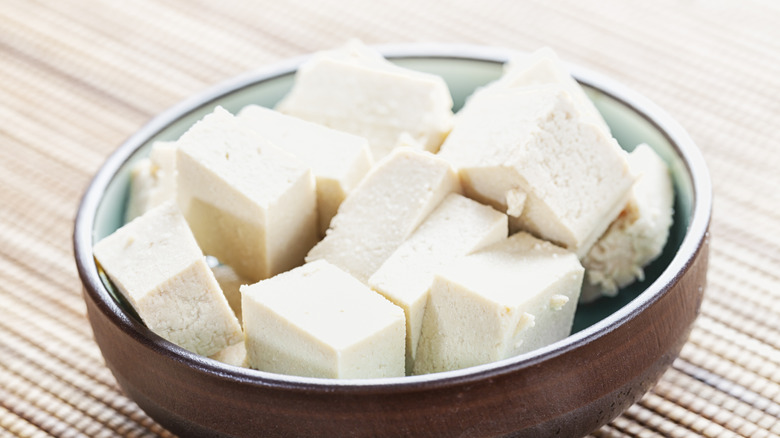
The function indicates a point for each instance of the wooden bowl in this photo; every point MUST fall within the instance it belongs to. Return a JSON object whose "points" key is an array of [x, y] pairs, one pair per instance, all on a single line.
{"points": [[619, 348]]}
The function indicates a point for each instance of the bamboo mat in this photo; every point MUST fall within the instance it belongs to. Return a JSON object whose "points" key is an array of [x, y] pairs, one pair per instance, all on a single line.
{"points": [[77, 77]]}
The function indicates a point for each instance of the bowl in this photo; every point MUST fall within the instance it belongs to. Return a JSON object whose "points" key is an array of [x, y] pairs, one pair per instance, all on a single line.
{"points": [[618, 350]]}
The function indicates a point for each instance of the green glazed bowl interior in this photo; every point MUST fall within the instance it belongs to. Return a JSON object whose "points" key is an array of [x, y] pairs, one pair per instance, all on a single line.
{"points": [[463, 75]]}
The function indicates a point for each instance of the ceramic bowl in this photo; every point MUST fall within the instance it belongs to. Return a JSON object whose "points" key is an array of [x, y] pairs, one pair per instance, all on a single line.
{"points": [[618, 350]]}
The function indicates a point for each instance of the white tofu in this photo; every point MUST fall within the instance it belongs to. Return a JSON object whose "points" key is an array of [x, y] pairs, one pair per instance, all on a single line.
{"points": [[249, 204], [338, 160], [455, 228], [233, 355], [543, 67], [526, 152], [509, 298], [318, 321], [152, 180], [636, 237], [384, 210], [156, 265], [354, 89], [230, 283]]}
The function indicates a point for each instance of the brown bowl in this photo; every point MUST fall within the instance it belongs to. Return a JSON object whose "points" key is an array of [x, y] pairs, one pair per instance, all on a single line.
{"points": [[619, 348]]}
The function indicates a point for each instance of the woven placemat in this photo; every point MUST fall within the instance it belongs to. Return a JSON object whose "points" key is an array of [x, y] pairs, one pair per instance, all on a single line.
{"points": [[77, 77]]}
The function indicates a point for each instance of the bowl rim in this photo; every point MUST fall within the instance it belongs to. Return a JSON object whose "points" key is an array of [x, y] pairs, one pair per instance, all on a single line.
{"points": [[679, 139]]}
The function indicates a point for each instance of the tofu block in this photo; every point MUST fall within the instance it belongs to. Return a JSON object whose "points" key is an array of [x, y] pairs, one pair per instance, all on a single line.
{"points": [[233, 355], [455, 228], [318, 321], [509, 298], [249, 204], [230, 283], [384, 210], [526, 152], [338, 160], [638, 235], [152, 180], [156, 265], [354, 89], [544, 67]]}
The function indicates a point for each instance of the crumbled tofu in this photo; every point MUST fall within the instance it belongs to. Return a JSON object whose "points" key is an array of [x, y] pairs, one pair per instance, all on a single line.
{"points": [[636, 237], [157, 266], [230, 282], [540, 68], [354, 89], [233, 355], [526, 152], [457, 227], [249, 204], [338, 160], [384, 210], [509, 298], [152, 180], [318, 321]]}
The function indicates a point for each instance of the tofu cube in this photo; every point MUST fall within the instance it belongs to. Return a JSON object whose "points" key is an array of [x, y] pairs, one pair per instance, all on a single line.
{"points": [[455, 228], [318, 321], [152, 180], [233, 355], [509, 298], [230, 283], [638, 235], [544, 67], [384, 210], [526, 152], [354, 89], [338, 160], [157, 266], [249, 204]]}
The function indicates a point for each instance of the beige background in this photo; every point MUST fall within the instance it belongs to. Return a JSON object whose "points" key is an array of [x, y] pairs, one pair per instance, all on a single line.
{"points": [[77, 77]]}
